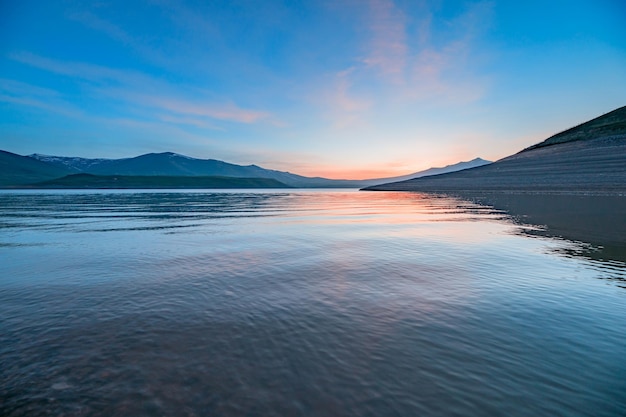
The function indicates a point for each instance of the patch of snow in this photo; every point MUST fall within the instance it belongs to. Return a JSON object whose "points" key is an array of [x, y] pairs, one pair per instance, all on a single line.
{"points": [[180, 156]]}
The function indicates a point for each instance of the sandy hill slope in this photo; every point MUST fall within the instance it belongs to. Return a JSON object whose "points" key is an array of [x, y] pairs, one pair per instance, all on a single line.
{"points": [[589, 158]]}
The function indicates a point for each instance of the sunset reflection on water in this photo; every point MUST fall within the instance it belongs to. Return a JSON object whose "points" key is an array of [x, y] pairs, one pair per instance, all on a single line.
{"points": [[304, 302]]}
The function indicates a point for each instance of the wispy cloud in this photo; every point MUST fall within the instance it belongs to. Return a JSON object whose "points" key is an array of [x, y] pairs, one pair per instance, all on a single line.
{"points": [[340, 103], [189, 19], [388, 44], [25, 89], [41, 104], [81, 70], [225, 111], [435, 75], [415, 61], [24, 94], [91, 20], [132, 87], [343, 98], [409, 61], [187, 40], [185, 110], [445, 71], [140, 45]]}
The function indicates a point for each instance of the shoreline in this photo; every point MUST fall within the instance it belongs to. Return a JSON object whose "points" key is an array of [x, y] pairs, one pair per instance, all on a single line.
{"points": [[538, 192], [593, 219]]}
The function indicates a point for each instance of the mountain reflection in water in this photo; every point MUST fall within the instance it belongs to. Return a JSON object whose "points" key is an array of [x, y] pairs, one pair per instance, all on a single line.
{"points": [[302, 302]]}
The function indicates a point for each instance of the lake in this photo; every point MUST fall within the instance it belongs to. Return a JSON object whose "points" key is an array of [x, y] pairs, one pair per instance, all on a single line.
{"points": [[300, 303]]}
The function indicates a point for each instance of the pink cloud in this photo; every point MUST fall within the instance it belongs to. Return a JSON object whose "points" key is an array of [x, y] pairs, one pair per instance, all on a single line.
{"points": [[388, 43], [229, 111], [342, 99], [343, 107], [187, 110], [408, 66]]}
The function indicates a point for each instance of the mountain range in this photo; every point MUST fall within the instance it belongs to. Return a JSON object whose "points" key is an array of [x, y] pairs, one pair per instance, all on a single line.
{"points": [[587, 159], [17, 170]]}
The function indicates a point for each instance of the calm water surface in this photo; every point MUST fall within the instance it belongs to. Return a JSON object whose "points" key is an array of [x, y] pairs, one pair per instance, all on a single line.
{"points": [[299, 303]]}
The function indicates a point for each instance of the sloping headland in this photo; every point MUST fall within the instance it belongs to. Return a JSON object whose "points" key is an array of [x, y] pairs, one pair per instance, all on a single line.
{"points": [[586, 159]]}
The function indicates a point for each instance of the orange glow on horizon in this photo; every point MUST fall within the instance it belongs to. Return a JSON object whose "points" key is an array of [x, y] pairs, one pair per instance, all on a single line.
{"points": [[351, 174], [378, 171]]}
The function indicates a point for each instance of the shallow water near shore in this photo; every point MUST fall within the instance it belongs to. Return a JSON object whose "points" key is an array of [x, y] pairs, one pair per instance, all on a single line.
{"points": [[300, 302]]}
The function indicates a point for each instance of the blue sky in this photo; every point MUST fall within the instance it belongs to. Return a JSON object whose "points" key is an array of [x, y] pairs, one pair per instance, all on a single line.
{"points": [[343, 89]]}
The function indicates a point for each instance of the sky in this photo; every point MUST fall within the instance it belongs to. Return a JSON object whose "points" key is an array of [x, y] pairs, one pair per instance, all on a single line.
{"points": [[340, 88]]}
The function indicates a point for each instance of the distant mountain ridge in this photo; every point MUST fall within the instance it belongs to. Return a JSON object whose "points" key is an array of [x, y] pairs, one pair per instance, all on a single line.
{"points": [[17, 170], [73, 164], [459, 166], [172, 164]]}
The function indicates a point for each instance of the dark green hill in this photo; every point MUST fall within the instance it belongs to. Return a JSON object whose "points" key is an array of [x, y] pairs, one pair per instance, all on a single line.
{"points": [[78, 181], [20, 170]]}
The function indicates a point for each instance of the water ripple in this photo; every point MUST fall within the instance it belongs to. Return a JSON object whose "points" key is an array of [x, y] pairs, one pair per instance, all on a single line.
{"points": [[309, 303]]}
